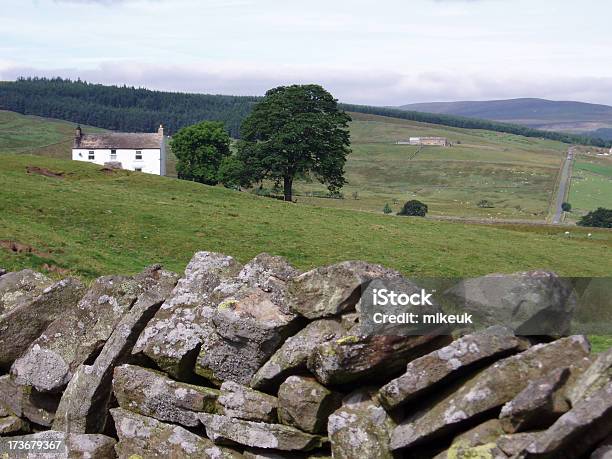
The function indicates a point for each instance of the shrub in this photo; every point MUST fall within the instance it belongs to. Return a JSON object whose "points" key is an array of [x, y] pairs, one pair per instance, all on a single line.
{"points": [[414, 208], [566, 207], [387, 209], [199, 151], [485, 204], [600, 218]]}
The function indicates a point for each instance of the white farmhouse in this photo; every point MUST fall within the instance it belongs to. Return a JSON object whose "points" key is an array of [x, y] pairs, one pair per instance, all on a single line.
{"points": [[134, 151]]}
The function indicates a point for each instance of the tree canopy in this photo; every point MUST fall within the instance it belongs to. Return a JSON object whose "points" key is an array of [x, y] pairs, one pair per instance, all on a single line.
{"points": [[200, 150], [121, 108], [600, 218], [294, 131]]}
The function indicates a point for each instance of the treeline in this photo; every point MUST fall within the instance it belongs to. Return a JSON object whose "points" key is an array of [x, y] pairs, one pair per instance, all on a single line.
{"points": [[122, 108], [142, 110], [476, 123]]}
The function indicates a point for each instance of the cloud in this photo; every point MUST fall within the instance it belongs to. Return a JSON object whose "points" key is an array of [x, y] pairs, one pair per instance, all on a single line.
{"points": [[101, 2], [362, 86]]}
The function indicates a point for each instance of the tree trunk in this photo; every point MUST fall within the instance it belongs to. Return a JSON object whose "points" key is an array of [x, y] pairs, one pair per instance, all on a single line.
{"points": [[288, 185]]}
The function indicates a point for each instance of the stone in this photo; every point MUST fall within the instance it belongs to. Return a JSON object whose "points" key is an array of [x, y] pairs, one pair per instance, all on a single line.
{"points": [[72, 446], [5, 410], [172, 339], [331, 290], [28, 403], [51, 360], [292, 356], [576, 432], [360, 428], [488, 389], [145, 437], [242, 402], [3, 272], [13, 424], [113, 165], [597, 375], [460, 451], [604, 450], [306, 404], [84, 404], [223, 429], [358, 358], [538, 405], [513, 444], [487, 432], [249, 327], [20, 288], [23, 323], [270, 274], [439, 367], [483, 437], [263, 454], [531, 303], [251, 320], [153, 394]]}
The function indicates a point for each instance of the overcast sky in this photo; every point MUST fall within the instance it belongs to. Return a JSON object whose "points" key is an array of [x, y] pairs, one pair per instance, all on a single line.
{"points": [[383, 52]]}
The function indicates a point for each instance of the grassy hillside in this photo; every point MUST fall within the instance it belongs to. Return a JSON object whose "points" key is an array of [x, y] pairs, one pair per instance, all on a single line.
{"points": [[88, 223], [35, 135], [517, 174]]}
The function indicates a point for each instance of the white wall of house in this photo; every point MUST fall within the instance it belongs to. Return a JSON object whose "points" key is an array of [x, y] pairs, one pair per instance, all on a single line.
{"points": [[149, 162]]}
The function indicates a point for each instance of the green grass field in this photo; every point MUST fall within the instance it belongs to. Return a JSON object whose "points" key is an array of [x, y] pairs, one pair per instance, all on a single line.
{"points": [[591, 186], [90, 223], [517, 174]]}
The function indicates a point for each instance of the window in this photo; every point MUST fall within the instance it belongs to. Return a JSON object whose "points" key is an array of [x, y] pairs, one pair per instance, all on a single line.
{"points": [[139, 155], [91, 156], [138, 169], [113, 154]]}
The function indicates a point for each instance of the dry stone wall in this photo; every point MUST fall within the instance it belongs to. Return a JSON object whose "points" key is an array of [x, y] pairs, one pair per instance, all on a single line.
{"points": [[263, 361]]}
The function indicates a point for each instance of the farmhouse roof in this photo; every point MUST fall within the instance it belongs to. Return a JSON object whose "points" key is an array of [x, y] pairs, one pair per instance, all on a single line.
{"points": [[118, 140]]}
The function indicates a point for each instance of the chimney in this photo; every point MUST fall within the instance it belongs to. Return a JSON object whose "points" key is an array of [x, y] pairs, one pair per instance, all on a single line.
{"points": [[160, 131], [78, 133]]}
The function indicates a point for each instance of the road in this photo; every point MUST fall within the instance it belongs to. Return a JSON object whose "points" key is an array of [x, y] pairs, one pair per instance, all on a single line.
{"points": [[564, 181]]}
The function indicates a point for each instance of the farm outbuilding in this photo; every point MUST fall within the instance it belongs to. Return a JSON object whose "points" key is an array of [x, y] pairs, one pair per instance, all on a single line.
{"points": [[431, 141]]}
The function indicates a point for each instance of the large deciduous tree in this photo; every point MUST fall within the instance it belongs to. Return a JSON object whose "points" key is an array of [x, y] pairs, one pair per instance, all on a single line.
{"points": [[295, 131], [199, 150]]}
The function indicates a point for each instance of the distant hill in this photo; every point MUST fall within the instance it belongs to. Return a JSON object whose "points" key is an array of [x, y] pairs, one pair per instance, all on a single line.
{"points": [[577, 117]]}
